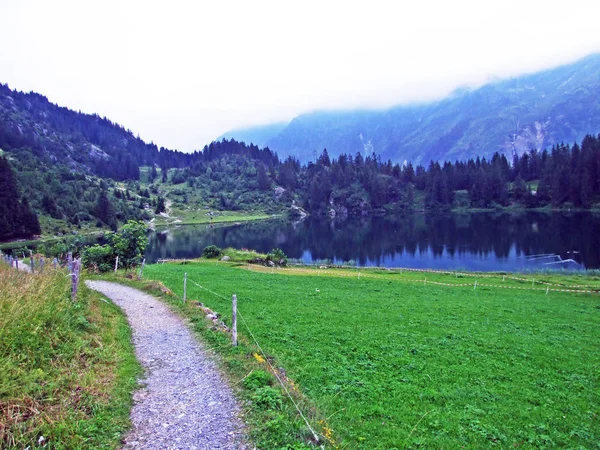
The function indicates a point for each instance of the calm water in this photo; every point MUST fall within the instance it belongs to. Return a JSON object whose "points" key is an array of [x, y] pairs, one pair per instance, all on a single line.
{"points": [[481, 241]]}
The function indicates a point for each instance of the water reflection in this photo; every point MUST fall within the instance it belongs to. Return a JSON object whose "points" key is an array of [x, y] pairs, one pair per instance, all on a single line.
{"points": [[482, 241]]}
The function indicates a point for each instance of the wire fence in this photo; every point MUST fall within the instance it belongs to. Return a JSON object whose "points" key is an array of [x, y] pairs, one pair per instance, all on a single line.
{"points": [[265, 357], [501, 279]]}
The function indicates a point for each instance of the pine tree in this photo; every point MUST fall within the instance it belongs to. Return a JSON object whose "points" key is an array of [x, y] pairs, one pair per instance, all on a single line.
{"points": [[16, 218], [160, 205], [263, 180], [105, 211]]}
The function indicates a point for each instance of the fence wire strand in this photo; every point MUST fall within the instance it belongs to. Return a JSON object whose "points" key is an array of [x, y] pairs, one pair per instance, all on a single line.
{"points": [[266, 359]]}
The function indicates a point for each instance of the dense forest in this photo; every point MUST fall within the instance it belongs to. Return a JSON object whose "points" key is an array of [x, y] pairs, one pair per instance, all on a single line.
{"points": [[566, 176], [86, 142]]}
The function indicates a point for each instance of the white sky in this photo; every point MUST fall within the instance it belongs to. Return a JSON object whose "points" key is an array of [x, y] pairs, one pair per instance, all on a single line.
{"points": [[180, 73]]}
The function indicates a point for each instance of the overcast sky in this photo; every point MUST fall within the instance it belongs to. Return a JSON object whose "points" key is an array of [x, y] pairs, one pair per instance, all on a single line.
{"points": [[182, 73]]}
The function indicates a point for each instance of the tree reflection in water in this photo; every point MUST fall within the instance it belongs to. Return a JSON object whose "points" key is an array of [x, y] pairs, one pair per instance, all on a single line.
{"points": [[478, 241]]}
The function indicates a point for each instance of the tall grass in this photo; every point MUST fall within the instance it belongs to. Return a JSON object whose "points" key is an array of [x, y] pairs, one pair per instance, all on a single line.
{"points": [[67, 369]]}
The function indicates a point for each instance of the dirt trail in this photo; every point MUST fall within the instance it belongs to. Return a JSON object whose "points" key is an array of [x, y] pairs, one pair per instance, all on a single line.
{"points": [[186, 402]]}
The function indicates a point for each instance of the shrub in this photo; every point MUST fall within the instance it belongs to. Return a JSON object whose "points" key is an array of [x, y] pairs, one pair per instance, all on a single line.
{"points": [[211, 251], [129, 244], [277, 256], [98, 258]]}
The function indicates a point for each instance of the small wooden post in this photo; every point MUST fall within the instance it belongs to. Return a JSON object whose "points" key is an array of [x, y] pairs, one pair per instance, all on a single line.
{"points": [[17, 263], [55, 263], [547, 289], [184, 287], [116, 263], [31, 261], [42, 262], [234, 320], [75, 278], [532, 282], [141, 269], [475, 285], [70, 262]]}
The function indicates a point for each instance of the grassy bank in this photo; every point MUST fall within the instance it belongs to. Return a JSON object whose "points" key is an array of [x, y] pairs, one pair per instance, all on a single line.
{"points": [[390, 359], [200, 216], [67, 369]]}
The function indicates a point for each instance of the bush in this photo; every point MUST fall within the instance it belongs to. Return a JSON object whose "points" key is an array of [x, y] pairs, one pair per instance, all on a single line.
{"points": [[129, 244], [211, 251], [98, 258], [277, 256]]}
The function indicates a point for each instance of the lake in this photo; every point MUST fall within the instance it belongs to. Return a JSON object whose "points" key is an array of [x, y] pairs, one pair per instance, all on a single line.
{"points": [[473, 241]]}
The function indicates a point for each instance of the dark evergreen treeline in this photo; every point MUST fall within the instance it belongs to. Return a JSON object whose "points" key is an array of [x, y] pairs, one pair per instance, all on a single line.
{"points": [[564, 176], [16, 218]]}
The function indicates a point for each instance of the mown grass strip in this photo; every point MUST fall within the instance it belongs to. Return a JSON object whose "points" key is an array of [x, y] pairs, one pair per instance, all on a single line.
{"points": [[391, 363], [67, 369]]}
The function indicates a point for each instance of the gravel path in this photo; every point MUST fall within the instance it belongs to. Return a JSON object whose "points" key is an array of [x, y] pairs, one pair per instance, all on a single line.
{"points": [[186, 403]]}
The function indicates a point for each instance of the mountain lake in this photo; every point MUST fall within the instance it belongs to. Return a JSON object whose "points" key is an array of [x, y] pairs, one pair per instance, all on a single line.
{"points": [[498, 241]]}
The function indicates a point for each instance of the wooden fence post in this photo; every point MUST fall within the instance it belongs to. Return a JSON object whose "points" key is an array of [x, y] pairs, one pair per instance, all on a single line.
{"points": [[17, 263], [31, 261], [75, 278], [141, 271], [70, 262], [116, 263], [234, 321], [55, 263], [42, 262], [184, 287]]}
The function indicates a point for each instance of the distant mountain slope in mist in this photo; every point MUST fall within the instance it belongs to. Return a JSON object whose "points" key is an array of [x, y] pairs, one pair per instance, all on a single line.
{"points": [[258, 135], [509, 116]]}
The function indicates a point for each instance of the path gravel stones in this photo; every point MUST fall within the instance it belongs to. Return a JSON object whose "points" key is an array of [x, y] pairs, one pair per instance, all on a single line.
{"points": [[186, 402]]}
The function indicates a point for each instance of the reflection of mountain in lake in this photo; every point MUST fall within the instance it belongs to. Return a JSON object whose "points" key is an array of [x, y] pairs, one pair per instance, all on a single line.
{"points": [[483, 241]]}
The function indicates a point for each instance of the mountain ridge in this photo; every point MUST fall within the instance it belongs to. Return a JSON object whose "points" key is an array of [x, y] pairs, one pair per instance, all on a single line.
{"points": [[509, 116]]}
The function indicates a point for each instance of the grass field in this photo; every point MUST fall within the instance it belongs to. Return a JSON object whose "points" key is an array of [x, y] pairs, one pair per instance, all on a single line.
{"points": [[67, 369], [392, 360]]}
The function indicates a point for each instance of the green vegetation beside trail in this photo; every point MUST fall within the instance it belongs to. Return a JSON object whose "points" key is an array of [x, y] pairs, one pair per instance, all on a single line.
{"points": [[389, 359], [67, 369]]}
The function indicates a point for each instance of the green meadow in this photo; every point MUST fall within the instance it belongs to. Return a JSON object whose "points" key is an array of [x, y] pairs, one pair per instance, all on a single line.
{"points": [[389, 359]]}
